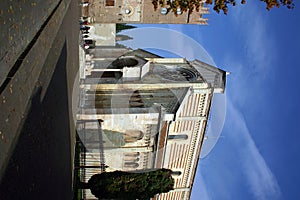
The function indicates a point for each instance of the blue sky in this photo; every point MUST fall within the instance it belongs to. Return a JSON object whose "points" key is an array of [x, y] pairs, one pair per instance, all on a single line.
{"points": [[257, 156]]}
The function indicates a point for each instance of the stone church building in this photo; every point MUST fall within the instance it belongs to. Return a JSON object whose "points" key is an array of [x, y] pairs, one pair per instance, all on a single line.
{"points": [[141, 11], [139, 111]]}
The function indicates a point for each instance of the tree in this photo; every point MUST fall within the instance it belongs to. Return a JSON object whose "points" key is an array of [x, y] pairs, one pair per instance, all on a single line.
{"points": [[121, 27], [130, 185], [218, 5]]}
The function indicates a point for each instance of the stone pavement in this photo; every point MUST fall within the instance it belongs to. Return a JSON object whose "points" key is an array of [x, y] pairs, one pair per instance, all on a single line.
{"points": [[39, 62], [20, 21]]}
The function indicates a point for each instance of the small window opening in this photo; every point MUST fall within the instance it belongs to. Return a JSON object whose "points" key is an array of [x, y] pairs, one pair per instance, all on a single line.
{"points": [[178, 137], [109, 2]]}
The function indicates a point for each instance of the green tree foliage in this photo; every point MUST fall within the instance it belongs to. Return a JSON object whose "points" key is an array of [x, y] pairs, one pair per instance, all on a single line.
{"points": [[129, 185], [218, 5]]}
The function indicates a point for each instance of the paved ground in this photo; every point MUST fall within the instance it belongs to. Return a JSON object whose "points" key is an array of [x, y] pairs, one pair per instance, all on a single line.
{"points": [[20, 21], [40, 165]]}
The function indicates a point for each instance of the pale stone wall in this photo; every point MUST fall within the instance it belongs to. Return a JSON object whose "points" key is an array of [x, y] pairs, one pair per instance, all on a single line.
{"points": [[166, 110]]}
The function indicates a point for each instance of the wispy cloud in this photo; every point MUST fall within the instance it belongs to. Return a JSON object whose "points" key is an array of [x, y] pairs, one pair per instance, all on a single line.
{"points": [[240, 168], [258, 55], [259, 44], [260, 178], [200, 192], [249, 75]]}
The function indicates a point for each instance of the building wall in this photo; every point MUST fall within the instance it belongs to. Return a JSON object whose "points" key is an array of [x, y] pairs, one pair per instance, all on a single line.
{"points": [[150, 16], [139, 11], [166, 110]]}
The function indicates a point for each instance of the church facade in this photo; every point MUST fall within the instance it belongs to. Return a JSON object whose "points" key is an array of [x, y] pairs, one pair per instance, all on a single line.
{"points": [[139, 112], [141, 11]]}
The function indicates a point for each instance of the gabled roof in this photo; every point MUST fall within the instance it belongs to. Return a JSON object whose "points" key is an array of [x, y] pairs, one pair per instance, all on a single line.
{"points": [[212, 75]]}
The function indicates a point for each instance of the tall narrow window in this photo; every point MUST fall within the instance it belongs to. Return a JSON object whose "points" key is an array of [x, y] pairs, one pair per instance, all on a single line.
{"points": [[132, 154], [131, 160], [176, 173], [109, 2], [131, 165], [132, 157], [177, 137]]}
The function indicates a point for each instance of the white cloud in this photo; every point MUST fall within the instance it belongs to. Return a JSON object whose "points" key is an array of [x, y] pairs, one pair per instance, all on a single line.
{"points": [[254, 69], [260, 47], [247, 82], [259, 176]]}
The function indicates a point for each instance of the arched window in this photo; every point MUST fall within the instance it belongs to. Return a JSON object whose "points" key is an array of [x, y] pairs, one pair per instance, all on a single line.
{"points": [[133, 135], [132, 157], [124, 62], [129, 158], [133, 154], [131, 165], [135, 100]]}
